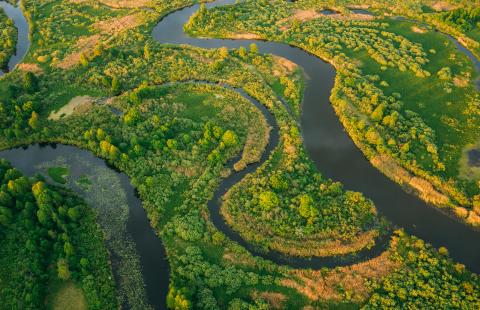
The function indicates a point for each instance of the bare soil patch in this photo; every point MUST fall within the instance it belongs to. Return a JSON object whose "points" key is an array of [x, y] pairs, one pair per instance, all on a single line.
{"points": [[442, 6], [245, 36], [27, 67], [84, 46], [285, 63], [418, 29]]}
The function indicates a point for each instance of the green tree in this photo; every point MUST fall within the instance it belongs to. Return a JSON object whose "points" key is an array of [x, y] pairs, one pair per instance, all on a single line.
{"points": [[253, 49], [230, 138], [63, 271], [33, 120], [242, 52], [268, 200], [115, 89], [30, 81]]}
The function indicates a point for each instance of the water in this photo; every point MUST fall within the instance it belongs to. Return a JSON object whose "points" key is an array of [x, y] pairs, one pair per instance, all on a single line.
{"points": [[335, 154], [328, 12], [23, 42], [362, 12], [153, 261]]}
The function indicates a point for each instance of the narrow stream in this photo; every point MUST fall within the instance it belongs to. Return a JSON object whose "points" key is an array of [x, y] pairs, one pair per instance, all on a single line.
{"points": [[23, 43]]}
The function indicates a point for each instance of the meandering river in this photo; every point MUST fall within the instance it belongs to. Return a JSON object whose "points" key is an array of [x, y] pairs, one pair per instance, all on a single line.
{"points": [[333, 151], [328, 145]]}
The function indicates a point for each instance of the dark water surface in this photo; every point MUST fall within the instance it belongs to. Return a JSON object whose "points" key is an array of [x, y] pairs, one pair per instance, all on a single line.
{"points": [[362, 12], [23, 43], [335, 154], [153, 260]]}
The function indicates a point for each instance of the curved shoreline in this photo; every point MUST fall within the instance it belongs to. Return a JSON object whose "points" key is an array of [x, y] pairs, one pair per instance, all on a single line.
{"points": [[151, 253], [215, 204], [331, 148]]}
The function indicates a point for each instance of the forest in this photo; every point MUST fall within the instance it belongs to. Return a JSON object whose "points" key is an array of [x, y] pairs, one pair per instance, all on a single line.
{"points": [[48, 235], [7, 38], [172, 119]]}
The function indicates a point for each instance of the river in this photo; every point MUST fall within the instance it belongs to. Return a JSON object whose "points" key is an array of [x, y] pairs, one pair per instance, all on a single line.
{"points": [[333, 151], [327, 144]]}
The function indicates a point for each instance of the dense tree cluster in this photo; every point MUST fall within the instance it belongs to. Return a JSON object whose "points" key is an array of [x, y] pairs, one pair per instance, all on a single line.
{"points": [[463, 18], [428, 279], [8, 37], [290, 203], [47, 230]]}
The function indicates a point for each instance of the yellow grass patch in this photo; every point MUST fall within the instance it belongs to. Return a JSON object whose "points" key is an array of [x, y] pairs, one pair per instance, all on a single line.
{"points": [[306, 15], [78, 104], [316, 285], [255, 144], [425, 189], [85, 45], [117, 25], [316, 247], [68, 296], [461, 81], [245, 260]]}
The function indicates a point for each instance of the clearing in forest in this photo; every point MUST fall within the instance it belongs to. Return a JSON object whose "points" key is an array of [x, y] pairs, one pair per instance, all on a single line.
{"points": [[67, 296], [77, 104]]}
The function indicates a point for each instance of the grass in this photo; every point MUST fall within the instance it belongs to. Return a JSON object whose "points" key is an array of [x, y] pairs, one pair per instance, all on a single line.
{"points": [[427, 96], [65, 295], [58, 174], [197, 105]]}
